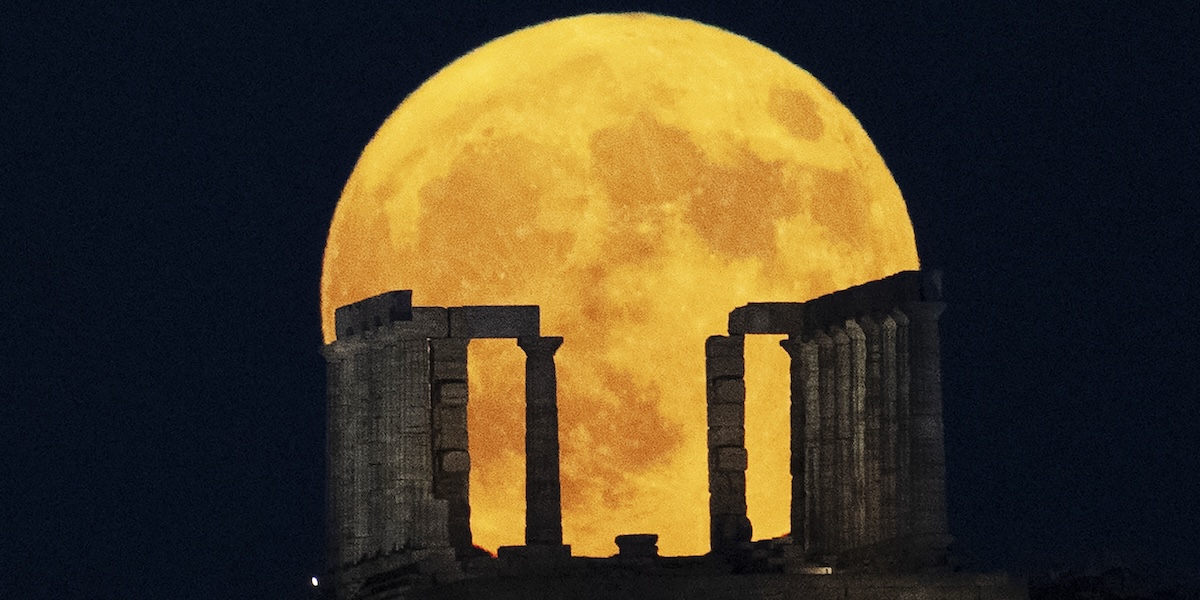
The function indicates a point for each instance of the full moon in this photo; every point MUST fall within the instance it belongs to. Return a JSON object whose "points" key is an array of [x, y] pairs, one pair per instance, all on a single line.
{"points": [[637, 176]]}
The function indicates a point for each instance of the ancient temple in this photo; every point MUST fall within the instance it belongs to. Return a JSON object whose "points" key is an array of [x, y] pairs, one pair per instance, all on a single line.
{"points": [[867, 459]]}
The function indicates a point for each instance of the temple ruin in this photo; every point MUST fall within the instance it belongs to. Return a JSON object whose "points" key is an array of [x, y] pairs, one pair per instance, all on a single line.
{"points": [[867, 462]]}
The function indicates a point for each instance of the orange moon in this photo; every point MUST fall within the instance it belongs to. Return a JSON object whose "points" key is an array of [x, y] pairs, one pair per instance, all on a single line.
{"points": [[637, 176]]}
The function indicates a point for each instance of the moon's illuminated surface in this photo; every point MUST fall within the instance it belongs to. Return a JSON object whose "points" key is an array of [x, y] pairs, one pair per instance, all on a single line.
{"points": [[638, 177]]}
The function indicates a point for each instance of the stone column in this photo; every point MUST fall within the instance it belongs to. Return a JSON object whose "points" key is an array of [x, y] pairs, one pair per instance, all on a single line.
{"points": [[340, 433], [858, 433], [828, 466], [928, 453], [805, 401], [873, 441], [845, 439], [888, 427], [725, 369], [452, 472], [543, 496], [903, 443]]}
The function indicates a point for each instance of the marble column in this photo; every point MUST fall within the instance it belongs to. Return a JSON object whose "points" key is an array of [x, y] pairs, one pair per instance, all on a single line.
{"points": [[903, 439], [340, 434], [844, 435], [858, 433], [872, 412], [543, 495], [805, 418], [729, 529], [888, 430], [452, 472], [928, 453], [829, 464]]}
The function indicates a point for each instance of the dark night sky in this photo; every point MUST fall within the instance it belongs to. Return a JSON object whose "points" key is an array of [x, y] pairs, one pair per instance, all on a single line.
{"points": [[168, 174]]}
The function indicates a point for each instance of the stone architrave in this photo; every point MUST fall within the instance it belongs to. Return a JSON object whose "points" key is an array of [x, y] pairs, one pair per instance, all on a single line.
{"points": [[543, 496], [729, 529], [928, 458], [873, 439]]}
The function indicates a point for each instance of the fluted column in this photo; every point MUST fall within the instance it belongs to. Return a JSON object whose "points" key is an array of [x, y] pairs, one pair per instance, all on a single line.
{"points": [[725, 368], [805, 402], [872, 411], [903, 437], [888, 427], [928, 458], [828, 455], [543, 495], [858, 433], [340, 433]]}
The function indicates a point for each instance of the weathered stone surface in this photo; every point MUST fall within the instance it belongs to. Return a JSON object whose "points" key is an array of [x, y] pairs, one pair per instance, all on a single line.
{"points": [[444, 370], [728, 391], [724, 345], [725, 366], [730, 458], [495, 321], [767, 317], [731, 435], [637, 544], [727, 493], [730, 414], [373, 313], [456, 461], [454, 394]]}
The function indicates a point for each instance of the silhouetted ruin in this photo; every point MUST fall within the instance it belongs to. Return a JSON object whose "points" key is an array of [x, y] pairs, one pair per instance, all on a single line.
{"points": [[867, 459]]}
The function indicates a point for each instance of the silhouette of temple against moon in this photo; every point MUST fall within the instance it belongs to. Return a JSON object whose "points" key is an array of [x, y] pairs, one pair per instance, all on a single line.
{"points": [[868, 510]]}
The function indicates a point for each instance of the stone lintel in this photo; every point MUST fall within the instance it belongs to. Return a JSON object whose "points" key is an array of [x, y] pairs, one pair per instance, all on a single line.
{"points": [[373, 313], [495, 321], [767, 317]]}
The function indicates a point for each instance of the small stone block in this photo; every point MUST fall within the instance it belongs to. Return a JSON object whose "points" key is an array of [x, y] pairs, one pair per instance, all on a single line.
{"points": [[730, 458], [451, 439], [637, 544], [453, 394], [726, 436], [495, 321], [449, 371], [724, 345], [728, 391], [456, 461], [732, 414], [716, 367]]}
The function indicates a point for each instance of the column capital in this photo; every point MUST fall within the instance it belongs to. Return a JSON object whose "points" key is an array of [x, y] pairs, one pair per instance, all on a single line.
{"points": [[540, 346], [793, 345]]}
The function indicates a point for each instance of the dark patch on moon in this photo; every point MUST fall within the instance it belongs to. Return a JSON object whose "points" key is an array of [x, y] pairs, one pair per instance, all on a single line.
{"points": [[644, 164], [796, 111]]}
